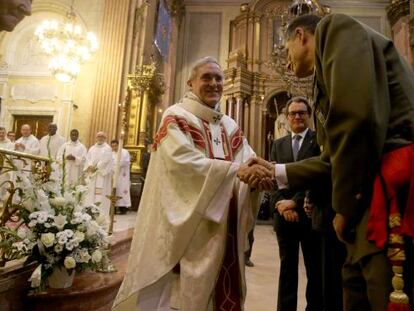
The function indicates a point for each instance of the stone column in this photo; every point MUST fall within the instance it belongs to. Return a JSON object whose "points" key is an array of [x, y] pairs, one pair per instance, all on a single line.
{"points": [[111, 56], [246, 124]]}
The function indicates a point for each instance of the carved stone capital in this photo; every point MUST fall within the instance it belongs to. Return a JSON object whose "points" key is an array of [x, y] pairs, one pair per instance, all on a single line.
{"points": [[396, 10]]}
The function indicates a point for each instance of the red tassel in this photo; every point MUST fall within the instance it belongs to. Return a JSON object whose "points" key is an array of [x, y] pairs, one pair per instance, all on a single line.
{"points": [[395, 306]]}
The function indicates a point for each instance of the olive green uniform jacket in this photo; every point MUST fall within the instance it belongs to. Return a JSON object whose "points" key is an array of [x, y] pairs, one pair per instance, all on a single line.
{"points": [[364, 107]]}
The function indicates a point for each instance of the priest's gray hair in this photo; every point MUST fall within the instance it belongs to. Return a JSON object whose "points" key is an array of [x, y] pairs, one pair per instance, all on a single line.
{"points": [[199, 63]]}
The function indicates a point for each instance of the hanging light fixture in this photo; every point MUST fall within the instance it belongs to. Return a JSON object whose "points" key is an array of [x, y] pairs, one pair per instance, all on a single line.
{"points": [[67, 44], [281, 16]]}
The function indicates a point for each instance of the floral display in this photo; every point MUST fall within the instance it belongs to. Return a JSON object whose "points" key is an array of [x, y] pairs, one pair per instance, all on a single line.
{"points": [[56, 228]]}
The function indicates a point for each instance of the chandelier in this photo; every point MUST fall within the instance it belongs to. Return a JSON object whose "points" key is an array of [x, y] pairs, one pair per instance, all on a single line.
{"points": [[67, 44], [281, 16]]}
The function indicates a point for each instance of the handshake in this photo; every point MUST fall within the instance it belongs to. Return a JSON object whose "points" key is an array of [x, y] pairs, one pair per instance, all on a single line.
{"points": [[258, 173]]}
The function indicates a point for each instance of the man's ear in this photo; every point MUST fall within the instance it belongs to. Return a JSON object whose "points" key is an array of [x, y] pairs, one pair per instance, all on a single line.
{"points": [[190, 84], [301, 34]]}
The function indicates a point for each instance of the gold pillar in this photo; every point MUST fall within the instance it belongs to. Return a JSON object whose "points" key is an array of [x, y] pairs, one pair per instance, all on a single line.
{"points": [[138, 103], [111, 57]]}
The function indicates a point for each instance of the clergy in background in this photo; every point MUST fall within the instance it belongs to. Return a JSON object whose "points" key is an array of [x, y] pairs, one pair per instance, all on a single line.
{"points": [[123, 184], [72, 156], [6, 144], [98, 172], [188, 247], [27, 143], [12, 136], [50, 143]]}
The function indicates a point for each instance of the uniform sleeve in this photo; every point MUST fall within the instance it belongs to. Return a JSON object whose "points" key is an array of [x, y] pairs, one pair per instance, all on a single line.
{"points": [[351, 70]]}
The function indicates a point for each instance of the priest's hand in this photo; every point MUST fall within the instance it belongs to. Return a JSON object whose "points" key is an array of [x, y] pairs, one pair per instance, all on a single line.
{"points": [[19, 147], [91, 169], [258, 160], [257, 176], [70, 157]]}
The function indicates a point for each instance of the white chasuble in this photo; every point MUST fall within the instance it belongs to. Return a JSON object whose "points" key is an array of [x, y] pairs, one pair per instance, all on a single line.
{"points": [[50, 144], [73, 168], [182, 218], [99, 183], [123, 185]]}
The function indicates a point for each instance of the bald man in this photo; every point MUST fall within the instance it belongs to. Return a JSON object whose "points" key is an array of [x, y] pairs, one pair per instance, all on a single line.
{"points": [[12, 12], [27, 143], [98, 169]]}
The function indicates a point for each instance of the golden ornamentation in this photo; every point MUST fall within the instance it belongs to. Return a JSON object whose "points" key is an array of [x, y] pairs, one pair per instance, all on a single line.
{"points": [[396, 10], [396, 254], [395, 239], [394, 220], [145, 88]]}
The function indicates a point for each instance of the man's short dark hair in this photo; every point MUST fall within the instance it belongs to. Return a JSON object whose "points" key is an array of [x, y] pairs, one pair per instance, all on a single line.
{"points": [[114, 141], [298, 99], [75, 130], [308, 22]]}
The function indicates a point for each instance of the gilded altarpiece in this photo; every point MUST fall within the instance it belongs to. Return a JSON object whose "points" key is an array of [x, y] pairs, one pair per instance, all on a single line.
{"points": [[253, 88]]}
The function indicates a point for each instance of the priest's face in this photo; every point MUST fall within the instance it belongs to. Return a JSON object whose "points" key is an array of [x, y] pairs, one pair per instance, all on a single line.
{"points": [[74, 135], [12, 12], [25, 130], [301, 53], [208, 84], [52, 128], [100, 138], [11, 136], [2, 134], [114, 147]]}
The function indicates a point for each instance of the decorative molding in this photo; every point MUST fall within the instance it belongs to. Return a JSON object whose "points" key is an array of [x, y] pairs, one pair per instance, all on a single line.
{"points": [[396, 10], [33, 92]]}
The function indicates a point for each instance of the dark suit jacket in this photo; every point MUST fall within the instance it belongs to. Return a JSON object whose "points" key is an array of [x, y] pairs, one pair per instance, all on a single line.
{"points": [[282, 153], [364, 107]]}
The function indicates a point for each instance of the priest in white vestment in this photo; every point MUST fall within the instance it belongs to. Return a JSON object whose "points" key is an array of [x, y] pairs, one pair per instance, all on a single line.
{"points": [[123, 184], [5, 144], [98, 173], [188, 247], [72, 156], [27, 142], [50, 144]]}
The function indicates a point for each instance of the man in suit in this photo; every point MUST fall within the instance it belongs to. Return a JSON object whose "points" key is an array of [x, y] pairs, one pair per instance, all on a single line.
{"points": [[364, 108], [292, 225]]}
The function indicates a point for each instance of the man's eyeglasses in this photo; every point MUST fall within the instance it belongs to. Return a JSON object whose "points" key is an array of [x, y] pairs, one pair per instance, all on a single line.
{"points": [[301, 113]]}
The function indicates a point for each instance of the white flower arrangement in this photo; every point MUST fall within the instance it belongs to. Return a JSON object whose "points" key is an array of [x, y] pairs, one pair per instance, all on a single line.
{"points": [[57, 229]]}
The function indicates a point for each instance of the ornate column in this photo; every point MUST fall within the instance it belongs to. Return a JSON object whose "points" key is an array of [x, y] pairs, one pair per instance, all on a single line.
{"points": [[107, 93], [138, 93], [246, 124], [239, 110]]}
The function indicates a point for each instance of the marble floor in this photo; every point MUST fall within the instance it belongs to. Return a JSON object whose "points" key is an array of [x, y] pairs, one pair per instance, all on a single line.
{"points": [[262, 279]]}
